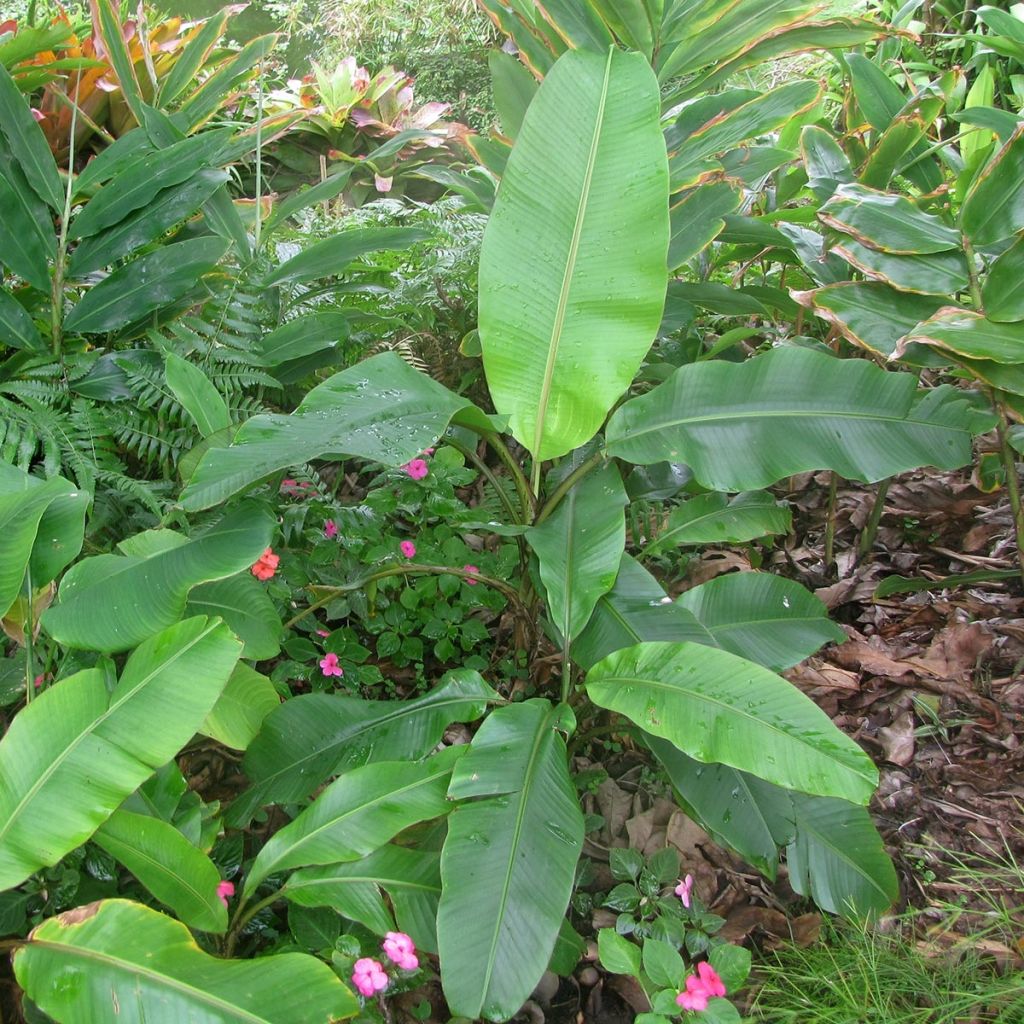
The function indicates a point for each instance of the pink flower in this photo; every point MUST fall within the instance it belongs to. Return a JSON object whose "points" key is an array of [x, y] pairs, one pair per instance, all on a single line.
{"points": [[428, 451], [710, 979], [399, 949], [323, 632], [417, 469], [368, 976], [38, 681], [330, 529], [701, 989], [224, 890], [683, 890], [288, 482], [329, 665], [408, 548], [266, 565], [472, 569]]}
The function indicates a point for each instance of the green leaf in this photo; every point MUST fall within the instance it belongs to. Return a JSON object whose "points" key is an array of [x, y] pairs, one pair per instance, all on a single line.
{"points": [[311, 737], [223, 217], [1001, 293], [16, 327], [146, 284], [697, 218], [201, 400], [243, 603], [579, 548], [741, 811], [826, 163], [357, 813], [107, 25], [167, 208], [42, 525], [381, 409], [78, 965], [353, 889], [940, 273], [513, 87], [305, 197], [28, 145], [720, 708], [963, 333], [193, 56], [732, 964], [71, 756], [508, 861], [838, 858], [766, 618], [994, 207], [178, 874], [112, 602], [617, 954], [137, 184], [559, 295], [870, 314], [22, 250], [890, 223], [663, 964], [747, 425], [718, 519], [887, 152], [635, 609], [240, 710], [306, 334], [334, 254]]}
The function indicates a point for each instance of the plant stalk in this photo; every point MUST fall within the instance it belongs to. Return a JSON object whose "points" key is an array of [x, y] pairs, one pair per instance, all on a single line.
{"points": [[830, 520], [527, 498], [1012, 481], [30, 628], [567, 485], [867, 538], [57, 285], [488, 473], [240, 920]]}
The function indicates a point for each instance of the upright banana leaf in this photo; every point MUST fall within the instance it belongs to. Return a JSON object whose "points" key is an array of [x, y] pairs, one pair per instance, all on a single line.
{"points": [[718, 707], [118, 960], [735, 424], [508, 861], [71, 756], [570, 289], [579, 548]]}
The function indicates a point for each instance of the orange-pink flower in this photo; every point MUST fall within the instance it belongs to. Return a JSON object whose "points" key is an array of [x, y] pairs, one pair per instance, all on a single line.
{"points": [[266, 565]]}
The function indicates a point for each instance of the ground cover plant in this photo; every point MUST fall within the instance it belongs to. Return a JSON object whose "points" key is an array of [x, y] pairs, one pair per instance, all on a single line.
{"points": [[304, 656]]}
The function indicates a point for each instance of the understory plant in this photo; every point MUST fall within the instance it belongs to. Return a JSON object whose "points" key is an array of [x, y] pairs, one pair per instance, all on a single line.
{"points": [[364, 810]]}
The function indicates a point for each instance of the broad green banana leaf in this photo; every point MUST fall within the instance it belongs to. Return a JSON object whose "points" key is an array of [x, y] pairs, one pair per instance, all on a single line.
{"points": [[76, 752], [636, 608], [201, 400], [358, 813], [112, 602], [747, 425], [243, 603], [237, 716], [117, 960], [508, 861], [767, 619], [42, 525], [715, 518], [177, 873], [573, 265], [309, 738], [381, 409], [720, 708], [579, 548]]}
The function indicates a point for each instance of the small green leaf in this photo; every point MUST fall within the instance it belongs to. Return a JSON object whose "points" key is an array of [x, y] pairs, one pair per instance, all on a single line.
{"points": [[663, 964], [617, 955]]}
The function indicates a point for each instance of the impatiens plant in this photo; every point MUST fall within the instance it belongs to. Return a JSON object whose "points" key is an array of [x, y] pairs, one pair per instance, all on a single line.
{"points": [[464, 851]]}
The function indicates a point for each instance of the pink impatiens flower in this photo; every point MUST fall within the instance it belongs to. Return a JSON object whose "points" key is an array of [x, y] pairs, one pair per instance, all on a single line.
{"points": [[224, 890], [471, 569], [330, 529], [417, 469], [329, 665], [266, 565], [700, 988], [323, 632], [408, 548], [399, 949], [683, 890], [368, 976]]}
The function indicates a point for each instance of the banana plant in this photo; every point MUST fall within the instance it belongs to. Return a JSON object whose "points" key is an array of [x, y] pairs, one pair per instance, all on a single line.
{"points": [[571, 296]]}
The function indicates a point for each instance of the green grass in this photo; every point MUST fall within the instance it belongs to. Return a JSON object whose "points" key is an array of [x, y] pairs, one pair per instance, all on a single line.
{"points": [[934, 966]]}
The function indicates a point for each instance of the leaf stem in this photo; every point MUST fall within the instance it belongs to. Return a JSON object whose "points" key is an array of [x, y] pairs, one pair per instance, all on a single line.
{"points": [[30, 627], [830, 520], [488, 473], [867, 538], [240, 920], [568, 484], [972, 276], [527, 497], [57, 285], [1012, 481]]}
